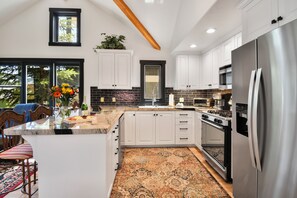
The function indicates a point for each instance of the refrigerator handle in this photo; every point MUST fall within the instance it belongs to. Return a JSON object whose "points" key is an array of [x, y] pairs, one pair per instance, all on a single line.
{"points": [[250, 128], [255, 118]]}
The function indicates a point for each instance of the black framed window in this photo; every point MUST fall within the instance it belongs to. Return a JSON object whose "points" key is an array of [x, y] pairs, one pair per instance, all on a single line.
{"points": [[64, 27], [24, 80], [152, 81]]}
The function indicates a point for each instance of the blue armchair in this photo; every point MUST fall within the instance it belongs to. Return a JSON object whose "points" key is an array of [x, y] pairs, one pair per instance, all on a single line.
{"points": [[21, 108]]}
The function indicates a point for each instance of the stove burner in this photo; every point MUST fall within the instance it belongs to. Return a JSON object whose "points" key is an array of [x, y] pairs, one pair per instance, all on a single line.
{"points": [[223, 113]]}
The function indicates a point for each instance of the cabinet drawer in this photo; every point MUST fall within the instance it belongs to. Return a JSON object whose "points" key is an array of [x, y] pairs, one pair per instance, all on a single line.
{"points": [[184, 121], [184, 139], [186, 129], [184, 114]]}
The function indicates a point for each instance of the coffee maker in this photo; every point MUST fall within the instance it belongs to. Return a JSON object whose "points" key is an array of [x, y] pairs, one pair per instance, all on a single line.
{"points": [[221, 101]]}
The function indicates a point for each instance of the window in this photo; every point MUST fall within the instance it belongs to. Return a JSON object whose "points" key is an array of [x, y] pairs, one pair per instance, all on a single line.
{"points": [[29, 80], [64, 27], [152, 81]]}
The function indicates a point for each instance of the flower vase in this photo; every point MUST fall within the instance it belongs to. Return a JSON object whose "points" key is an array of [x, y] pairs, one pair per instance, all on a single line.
{"points": [[65, 111]]}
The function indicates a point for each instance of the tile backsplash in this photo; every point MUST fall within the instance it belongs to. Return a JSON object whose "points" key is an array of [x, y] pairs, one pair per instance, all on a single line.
{"points": [[132, 97]]}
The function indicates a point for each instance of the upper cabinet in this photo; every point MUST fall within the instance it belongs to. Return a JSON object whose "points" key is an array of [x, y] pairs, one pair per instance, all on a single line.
{"points": [[228, 46], [206, 71], [261, 16], [114, 69], [186, 72]]}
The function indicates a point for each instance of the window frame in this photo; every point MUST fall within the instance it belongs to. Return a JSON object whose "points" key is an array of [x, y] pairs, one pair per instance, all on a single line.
{"points": [[162, 63], [52, 63], [55, 13]]}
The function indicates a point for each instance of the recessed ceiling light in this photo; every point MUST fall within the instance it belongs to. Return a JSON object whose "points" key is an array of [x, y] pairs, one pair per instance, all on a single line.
{"points": [[210, 30], [193, 46], [149, 1]]}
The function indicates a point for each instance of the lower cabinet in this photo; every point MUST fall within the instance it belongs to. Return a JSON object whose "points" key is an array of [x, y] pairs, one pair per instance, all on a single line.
{"points": [[198, 130], [155, 127], [159, 128], [145, 128]]}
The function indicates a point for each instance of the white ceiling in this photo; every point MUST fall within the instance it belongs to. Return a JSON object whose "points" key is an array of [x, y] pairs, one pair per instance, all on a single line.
{"points": [[175, 24]]}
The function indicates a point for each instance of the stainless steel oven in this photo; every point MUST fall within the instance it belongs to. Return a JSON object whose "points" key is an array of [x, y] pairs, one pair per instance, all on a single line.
{"points": [[225, 74], [216, 144]]}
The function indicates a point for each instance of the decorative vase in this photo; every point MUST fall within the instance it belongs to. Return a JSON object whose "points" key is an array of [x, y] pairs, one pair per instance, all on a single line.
{"points": [[65, 111]]}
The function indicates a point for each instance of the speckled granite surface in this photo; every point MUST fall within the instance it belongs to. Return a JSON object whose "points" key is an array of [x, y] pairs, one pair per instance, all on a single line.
{"points": [[101, 124]]}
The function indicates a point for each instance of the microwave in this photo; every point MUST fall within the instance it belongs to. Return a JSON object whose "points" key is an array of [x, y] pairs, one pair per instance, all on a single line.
{"points": [[225, 75]]}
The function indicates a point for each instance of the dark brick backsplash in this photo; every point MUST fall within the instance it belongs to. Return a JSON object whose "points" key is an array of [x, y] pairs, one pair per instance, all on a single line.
{"points": [[132, 97]]}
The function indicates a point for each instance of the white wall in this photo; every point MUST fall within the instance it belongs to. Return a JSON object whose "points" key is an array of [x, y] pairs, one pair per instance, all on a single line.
{"points": [[27, 35]]}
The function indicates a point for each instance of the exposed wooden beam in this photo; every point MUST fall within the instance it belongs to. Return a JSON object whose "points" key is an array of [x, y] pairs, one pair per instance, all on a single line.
{"points": [[131, 16]]}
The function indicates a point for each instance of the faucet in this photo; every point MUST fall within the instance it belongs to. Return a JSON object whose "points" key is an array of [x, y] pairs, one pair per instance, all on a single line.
{"points": [[153, 101]]}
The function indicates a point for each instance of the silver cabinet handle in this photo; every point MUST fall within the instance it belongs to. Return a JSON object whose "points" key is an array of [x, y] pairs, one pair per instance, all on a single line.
{"points": [[255, 119], [183, 138], [183, 121], [250, 128], [183, 128], [183, 114]]}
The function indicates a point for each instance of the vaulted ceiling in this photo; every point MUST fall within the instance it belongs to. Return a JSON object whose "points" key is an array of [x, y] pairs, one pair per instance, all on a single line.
{"points": [[174, 24]]}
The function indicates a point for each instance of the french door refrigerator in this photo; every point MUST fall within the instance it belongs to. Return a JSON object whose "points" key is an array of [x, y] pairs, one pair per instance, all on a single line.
{"points": [[264, 123]]}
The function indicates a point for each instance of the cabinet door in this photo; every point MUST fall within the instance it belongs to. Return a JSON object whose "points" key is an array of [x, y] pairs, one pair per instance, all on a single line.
{"points": [[237, 40], [198, 130], [145, 128], [257, 17], [288, 10], [165, 128], [181, 72], [193, 72], [217, 63], [106, 71], [206, 73], [228, 46], [130, 129], [122, 71]]}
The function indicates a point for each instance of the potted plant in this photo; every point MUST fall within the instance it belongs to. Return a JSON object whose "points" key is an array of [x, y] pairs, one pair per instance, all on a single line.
{"points": [[112, 42]]}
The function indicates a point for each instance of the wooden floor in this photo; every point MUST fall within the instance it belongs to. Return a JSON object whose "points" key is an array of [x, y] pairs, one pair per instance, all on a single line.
{"points": [[226, 186]]}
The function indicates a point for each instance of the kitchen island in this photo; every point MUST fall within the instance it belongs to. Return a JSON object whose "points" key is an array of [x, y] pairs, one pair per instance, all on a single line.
{"points": [[74, 160]]}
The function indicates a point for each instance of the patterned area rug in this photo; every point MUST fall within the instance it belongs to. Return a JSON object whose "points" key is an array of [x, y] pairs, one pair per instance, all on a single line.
{"points": [[11, 178], [164, 173]]}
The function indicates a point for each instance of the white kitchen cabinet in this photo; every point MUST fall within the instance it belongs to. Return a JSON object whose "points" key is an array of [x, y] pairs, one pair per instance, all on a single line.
{"points": [[216, 64], [184, 127], [186, 72], [165, 128], [237, 40], [227, 47], [129, 134], [198, 130], [261, 16], [206, 71], [145, 128], [155, 127], [114, 69]]}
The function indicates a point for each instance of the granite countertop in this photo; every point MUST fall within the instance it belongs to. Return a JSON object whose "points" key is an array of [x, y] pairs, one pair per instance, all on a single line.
{"points": [[101, 124]]}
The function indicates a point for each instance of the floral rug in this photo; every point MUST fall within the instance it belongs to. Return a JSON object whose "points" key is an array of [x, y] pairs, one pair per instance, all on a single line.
{"points": [[164, 173], [11, 178]]}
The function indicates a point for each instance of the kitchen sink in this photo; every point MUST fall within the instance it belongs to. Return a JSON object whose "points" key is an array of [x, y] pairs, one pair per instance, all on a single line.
{"points": [[156, 107]]}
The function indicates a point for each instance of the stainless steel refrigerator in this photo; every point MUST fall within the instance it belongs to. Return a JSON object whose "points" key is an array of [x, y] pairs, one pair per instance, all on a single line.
{"points": [[264, 123]]}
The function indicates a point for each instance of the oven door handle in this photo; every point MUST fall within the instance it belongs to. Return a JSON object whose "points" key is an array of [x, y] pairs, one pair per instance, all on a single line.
{"points": [[211, 124]]}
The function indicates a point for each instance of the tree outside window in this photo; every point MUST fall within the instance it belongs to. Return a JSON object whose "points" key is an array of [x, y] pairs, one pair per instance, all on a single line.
{"points": [[64, 27]]}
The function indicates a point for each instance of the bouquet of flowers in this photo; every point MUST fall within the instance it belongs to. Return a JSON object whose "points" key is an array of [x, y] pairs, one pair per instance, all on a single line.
{"points": [[65, 94]]}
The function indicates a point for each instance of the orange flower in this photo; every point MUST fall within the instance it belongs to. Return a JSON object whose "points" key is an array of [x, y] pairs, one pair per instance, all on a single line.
{"points": [[71, 92], [57, 94]]}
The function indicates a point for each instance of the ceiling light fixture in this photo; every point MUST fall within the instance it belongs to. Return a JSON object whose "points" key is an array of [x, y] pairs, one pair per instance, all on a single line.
{"points": [[210, 30], [193, 46]]}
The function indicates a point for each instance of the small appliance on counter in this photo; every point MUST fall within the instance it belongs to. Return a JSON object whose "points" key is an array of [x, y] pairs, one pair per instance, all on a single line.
{"points": [[222, 101], [203, 102], [171, 100]]}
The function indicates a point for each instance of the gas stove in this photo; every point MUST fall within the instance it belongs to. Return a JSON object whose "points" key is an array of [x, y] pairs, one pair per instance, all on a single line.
{"points": [[222, 113]]}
